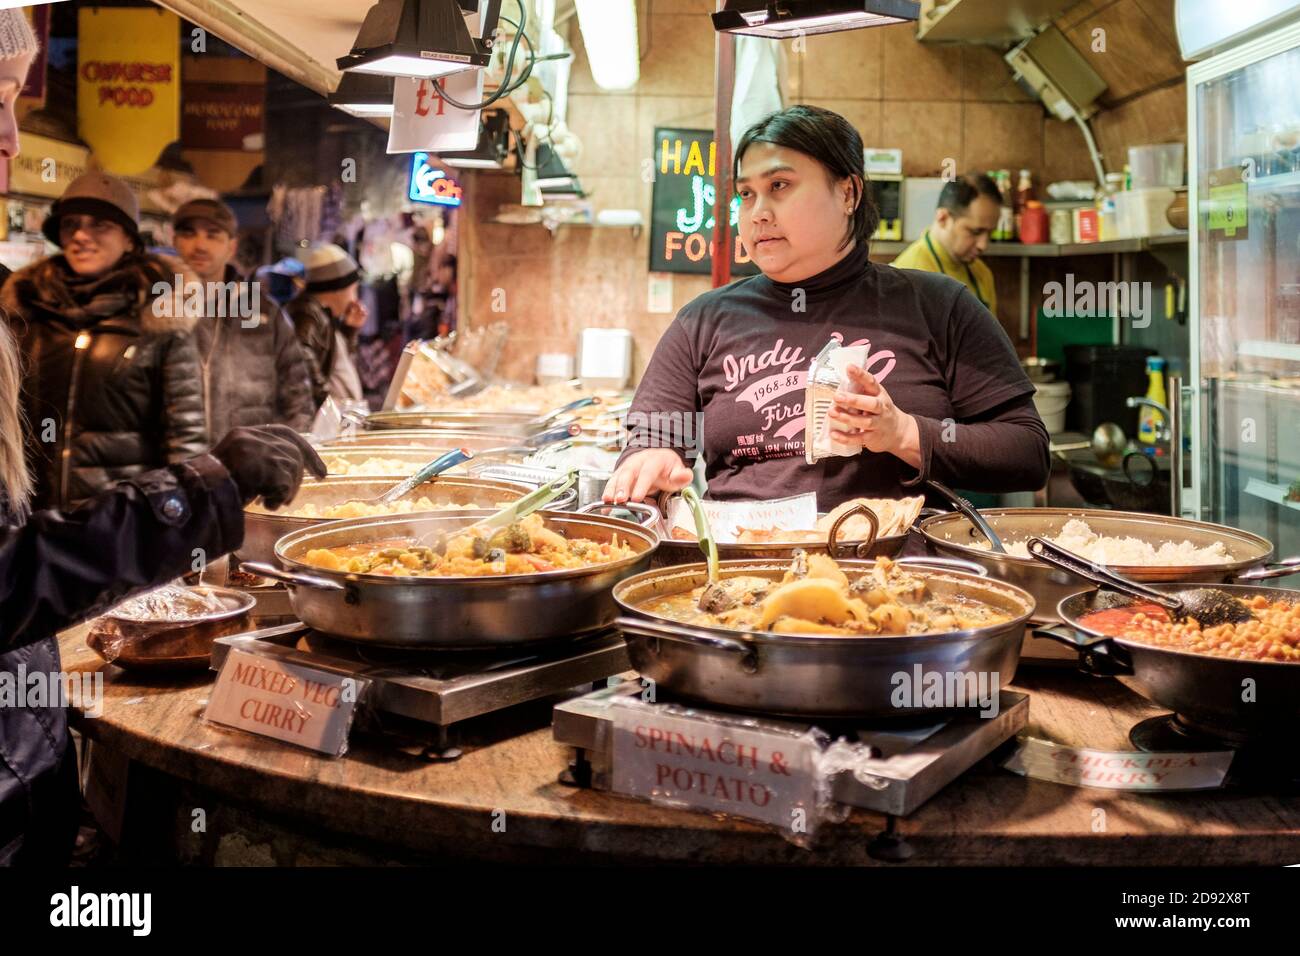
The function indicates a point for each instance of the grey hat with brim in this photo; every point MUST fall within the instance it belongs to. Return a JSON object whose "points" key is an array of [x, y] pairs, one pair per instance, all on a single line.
{"points": [[95, 194]]}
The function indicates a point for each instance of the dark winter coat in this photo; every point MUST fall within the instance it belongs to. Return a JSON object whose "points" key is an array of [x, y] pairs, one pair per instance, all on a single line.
{"points": [[62, 568], [254, 372], [130, 399], [315, 326]]}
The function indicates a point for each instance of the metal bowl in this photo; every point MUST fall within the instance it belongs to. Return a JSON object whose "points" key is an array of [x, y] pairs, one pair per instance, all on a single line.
{"points": [[262, 529], [137, 644], [952, 534], [813, 675], [456, 613], [673, 551]]}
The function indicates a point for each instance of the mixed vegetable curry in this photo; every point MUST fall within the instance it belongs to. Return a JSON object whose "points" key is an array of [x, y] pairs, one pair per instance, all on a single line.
{"points": [[525, 547]]}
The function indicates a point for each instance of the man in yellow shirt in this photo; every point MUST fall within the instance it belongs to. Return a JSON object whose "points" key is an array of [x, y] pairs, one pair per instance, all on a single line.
{"points": [[967, 214]]}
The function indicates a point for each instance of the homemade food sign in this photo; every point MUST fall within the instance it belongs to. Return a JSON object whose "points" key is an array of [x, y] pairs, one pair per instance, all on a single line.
{"points": [[681, 220]]}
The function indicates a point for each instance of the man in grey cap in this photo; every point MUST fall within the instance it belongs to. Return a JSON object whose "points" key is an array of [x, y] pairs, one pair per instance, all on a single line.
{"points": [[327, 317], [254, 372]]}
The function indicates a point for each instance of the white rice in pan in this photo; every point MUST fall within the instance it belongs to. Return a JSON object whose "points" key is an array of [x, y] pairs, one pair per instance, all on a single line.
{"points": [[1076, 536]]}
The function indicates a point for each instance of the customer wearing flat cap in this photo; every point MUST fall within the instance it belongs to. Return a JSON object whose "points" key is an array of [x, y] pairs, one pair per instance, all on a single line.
{"points": [[328, 317], [112, 385], [254, 372]]}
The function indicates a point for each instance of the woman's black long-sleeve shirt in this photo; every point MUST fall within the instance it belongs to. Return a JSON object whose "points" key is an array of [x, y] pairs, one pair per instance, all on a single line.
{"points": [[737, 357]]}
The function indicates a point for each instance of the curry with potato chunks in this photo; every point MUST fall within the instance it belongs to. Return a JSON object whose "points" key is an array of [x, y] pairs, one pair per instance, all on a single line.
{"points": [[816, 596]]}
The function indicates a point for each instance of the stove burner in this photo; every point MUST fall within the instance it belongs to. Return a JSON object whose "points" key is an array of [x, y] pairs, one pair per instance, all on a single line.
{"points": [[1171, 733], [441, 664], [1258, 763]]}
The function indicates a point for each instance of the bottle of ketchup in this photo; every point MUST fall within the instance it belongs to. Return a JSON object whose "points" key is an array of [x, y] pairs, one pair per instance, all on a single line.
{"points": [[1033, 222]]}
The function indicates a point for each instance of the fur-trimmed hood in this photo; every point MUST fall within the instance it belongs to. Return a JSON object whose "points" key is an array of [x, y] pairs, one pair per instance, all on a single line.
{"points": [[160, 314]]}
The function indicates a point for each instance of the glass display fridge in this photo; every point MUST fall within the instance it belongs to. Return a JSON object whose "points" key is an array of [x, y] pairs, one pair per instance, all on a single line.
{"points": [[1244, 187]]}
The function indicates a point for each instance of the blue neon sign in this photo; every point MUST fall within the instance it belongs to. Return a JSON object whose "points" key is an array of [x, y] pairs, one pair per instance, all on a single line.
{"points": [[430, 184]]}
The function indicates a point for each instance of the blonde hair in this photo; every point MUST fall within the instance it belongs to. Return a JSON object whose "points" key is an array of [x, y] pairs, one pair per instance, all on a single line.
{"points": [[15, 479]]}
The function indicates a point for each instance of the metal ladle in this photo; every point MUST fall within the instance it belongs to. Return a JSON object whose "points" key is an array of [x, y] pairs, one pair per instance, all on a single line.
{"points": [[1209, 606]]}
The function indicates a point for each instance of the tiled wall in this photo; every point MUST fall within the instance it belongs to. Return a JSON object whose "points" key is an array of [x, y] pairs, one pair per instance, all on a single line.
{"points": [[933, 102]]}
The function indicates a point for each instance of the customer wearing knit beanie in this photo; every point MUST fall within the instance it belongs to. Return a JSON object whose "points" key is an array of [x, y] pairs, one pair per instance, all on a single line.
{"points": [[18, 48]]}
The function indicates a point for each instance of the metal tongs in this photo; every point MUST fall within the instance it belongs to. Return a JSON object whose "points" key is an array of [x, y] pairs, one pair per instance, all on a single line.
{"points": [[527, 446], [515, 510], [423, 474], [541, 421], [1209, 606], [970, 513]]}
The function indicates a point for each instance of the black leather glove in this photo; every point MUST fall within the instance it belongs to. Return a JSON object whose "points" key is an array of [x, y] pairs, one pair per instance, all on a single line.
{"points": [[267, 462]]}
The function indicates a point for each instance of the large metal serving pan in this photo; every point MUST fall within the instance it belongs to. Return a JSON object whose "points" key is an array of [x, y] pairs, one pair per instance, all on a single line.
{"points": [[673, 551], [468, 420], [456, 613], [511, 423], [1207, 693], [812, 675], [446, 439], [262, 528], [407, 459], [953, 535]]}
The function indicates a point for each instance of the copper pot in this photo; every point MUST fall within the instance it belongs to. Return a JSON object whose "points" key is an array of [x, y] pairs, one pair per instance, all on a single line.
{"points": [[1177, 211]]}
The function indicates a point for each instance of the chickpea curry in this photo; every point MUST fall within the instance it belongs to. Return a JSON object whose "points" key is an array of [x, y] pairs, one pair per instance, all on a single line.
{"points": [[1272, 635]]}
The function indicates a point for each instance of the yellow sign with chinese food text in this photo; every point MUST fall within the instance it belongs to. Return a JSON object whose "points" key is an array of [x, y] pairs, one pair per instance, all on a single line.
{"points": [[128, 85]]}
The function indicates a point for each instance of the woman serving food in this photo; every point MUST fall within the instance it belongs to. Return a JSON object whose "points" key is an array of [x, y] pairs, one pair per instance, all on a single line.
{"points": [[941, 393]]}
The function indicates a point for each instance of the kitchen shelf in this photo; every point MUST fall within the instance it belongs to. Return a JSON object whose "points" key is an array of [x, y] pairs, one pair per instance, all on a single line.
{"points": [[1049, 250], [1270, 492]]}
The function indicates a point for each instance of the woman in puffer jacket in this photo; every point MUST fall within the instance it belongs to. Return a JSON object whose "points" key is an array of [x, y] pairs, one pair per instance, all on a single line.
{"points": [[112, 384], [58, 568]]}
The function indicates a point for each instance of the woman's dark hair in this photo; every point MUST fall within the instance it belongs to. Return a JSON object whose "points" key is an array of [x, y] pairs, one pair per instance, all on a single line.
{"points": [[957, 195], [830, 139]]}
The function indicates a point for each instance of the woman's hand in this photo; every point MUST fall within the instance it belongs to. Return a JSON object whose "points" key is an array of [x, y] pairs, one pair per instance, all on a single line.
{"points": [[654, 469], [355, 315], [870, 416], [267, 461]]}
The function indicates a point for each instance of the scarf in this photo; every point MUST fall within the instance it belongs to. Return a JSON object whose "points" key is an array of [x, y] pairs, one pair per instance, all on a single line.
{"points": [[82, 301]]}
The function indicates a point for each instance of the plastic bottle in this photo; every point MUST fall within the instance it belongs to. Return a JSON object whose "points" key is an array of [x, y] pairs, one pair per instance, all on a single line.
{"points": [[1006, 229], [1024, 193], [996, 234], [1151, 421]]}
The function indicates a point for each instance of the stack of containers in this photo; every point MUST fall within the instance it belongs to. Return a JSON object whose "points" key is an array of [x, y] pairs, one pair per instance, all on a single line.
{"points": [[1157, 170]]}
